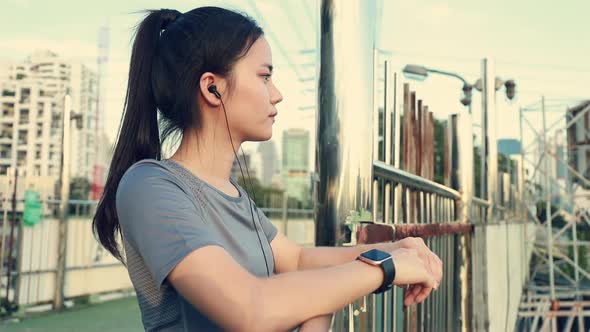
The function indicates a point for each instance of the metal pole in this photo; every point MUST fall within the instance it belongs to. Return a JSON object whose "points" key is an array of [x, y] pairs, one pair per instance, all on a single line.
{"points": [[388, 140], [65, 193], [548, 218], [4, 223], [285, 218], [344, 162], [11, 236], [462, 130], [522, 193], [488, 125]]}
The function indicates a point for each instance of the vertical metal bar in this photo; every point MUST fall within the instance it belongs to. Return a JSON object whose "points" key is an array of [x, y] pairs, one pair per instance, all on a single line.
{"points": [[388, 106], [548, 215], [449, 283], [19, 259], [285, 207], [397, 146], [390, 144], [439, 315], [575, 244], [11, 236], [5, 222], [42, 242], [488, 126], [375, 199], [64, 198], [31, 267], [375, 112]]}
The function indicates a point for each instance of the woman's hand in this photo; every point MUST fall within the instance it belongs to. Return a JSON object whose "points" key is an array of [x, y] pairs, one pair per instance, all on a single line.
{"points": [[433, 263], [417, 266]]}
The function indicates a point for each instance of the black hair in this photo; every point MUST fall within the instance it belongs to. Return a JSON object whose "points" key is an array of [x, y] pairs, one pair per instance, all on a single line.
{"points": [[171, 52]]}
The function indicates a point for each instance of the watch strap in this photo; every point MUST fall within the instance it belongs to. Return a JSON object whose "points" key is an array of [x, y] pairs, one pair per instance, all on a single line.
{"points": [[388, 275]]}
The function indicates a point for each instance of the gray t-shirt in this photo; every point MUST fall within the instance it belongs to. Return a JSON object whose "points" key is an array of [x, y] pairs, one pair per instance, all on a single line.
{"points": [[165, 213]]}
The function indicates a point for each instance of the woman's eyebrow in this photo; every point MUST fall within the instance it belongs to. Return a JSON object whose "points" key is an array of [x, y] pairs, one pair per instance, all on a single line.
{"points": [[270, 67]]}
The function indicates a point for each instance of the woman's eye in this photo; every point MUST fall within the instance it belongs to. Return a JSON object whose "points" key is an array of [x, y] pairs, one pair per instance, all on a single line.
{"points": [[266, 77]]}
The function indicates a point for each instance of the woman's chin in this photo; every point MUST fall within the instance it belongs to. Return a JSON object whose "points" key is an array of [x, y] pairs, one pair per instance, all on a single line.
{"points": [[262, 136]]}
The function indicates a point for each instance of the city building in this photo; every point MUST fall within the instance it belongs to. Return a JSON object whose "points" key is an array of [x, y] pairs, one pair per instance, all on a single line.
{"points": [[295, 169], [245, 161], [31, 106], [268, 161], [578, 140]]}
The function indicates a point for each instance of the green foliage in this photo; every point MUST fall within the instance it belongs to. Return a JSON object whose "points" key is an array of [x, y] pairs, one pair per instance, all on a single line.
{"points": [[440, 128], [262, 195], [79, 188]]}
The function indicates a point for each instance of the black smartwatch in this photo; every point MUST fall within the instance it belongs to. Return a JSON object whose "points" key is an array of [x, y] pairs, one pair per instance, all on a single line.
{"points": [[383, 259]]}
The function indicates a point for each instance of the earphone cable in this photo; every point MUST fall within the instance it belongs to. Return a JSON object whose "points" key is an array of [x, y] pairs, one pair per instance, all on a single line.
{"points": [[245, 182]]}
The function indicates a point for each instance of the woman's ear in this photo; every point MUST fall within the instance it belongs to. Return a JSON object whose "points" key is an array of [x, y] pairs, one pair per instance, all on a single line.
{"points": [[208, 79]]}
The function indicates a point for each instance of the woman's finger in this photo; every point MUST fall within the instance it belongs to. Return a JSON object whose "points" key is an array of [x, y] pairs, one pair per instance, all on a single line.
{"points": [[424, 293], [416, 289]]}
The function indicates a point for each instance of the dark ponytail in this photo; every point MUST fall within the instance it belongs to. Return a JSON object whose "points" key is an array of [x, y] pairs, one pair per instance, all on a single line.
{"points": [[170, 52]]}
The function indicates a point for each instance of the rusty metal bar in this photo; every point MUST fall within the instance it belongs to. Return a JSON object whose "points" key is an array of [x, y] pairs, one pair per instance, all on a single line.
{"points": [[367, 233]]}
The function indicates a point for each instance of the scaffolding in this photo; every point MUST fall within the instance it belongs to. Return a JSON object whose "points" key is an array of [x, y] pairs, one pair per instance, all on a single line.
{"points": [[555, 155]]}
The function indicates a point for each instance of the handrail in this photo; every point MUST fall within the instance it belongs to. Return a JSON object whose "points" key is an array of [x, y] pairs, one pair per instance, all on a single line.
{"points": [[479, 201], [383, 170]]}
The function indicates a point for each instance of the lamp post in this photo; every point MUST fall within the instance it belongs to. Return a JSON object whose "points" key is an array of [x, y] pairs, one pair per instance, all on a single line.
{"points": [[68, 116], [421, 73]]}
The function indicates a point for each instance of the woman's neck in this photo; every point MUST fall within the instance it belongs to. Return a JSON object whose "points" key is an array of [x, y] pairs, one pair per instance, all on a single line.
{"points": [[210, 157]]}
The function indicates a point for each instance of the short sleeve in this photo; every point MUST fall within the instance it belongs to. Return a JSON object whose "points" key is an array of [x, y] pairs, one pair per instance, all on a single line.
{"points": [[269, 229], [159, 219]]}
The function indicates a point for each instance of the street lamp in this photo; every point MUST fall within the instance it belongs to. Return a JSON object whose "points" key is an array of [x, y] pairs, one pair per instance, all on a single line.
{"points": [[489, 148], [421, 73]]}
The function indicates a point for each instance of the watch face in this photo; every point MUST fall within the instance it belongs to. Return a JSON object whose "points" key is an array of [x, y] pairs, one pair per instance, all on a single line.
{"points": [[376, 255]]}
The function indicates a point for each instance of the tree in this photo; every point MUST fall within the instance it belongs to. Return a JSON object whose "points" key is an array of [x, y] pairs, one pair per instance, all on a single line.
{"points": [[263, 196], [440, 128], [79, 188]]}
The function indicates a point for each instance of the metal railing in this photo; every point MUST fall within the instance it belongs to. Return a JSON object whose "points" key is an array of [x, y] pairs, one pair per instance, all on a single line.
{"points": [[375, 177], [29, 256], [29, 253]]}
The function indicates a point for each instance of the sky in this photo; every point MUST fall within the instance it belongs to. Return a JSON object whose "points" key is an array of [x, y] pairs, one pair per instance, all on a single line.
{"points": [[542, 45]]}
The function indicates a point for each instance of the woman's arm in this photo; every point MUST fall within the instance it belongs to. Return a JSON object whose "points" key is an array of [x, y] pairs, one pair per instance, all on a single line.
{"points": [[317, 324], [290, 256], [316, 257], [236, 300]]}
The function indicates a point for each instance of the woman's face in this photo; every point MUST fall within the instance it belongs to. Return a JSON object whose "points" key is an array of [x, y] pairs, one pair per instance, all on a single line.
{"points": [[251, 107]]}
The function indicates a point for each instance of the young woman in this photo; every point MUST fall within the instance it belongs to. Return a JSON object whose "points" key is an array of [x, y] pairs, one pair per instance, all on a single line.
{"points": [[200, 254]]}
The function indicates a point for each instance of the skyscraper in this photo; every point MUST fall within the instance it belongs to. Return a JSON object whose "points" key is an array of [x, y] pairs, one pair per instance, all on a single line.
{"points": [[268, 161]]}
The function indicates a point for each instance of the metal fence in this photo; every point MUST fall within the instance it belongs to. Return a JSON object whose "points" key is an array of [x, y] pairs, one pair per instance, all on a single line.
{"points": [[29, 256], [410, 203], [375, 176]]}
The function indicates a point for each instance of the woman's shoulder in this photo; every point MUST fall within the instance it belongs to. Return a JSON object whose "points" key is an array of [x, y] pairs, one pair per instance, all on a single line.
{"points": [[146, 173], [146, 167]]}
